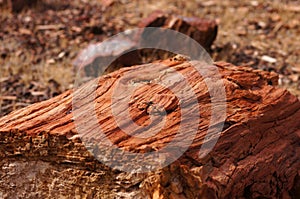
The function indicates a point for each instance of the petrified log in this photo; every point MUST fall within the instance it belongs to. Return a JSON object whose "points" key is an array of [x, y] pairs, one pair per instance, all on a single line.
{"points": [[256, 155], [117, 52], [126, 49], [204, 31]]}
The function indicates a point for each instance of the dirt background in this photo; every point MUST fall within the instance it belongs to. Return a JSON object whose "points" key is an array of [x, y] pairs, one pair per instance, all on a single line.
{"points": [[39, 42]]}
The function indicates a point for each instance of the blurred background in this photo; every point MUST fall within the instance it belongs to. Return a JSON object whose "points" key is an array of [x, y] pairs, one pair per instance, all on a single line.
{"points": [[40, 39]]}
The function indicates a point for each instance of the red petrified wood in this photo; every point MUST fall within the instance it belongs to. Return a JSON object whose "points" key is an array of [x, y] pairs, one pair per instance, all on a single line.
{"points": [[256, 156], [204, 31]]}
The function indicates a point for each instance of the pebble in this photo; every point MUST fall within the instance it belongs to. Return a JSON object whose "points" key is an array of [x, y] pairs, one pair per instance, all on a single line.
{"points": [[269, 59]]}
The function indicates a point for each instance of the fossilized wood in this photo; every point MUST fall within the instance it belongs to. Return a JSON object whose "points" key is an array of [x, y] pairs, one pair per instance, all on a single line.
{"points": [[125, 50], [257, 154], [204, 31]]}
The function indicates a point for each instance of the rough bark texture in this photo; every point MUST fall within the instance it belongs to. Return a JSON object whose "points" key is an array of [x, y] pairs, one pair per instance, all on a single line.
{"points": [[256, 156]]}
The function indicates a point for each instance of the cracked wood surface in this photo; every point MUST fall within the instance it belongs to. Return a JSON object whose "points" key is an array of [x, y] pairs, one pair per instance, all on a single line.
{"points": [[257, 154]]}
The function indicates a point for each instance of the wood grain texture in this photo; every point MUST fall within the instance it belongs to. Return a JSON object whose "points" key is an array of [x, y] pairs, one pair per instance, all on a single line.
{"points": [[257, 154]]}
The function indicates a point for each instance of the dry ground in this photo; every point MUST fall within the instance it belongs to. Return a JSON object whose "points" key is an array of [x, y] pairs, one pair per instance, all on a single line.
{"points": [[37, 45]]}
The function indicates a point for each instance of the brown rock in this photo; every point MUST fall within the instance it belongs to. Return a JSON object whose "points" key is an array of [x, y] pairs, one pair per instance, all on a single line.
{"points": [[108, 56], [256, 156], [128, 48], [204, 31]]}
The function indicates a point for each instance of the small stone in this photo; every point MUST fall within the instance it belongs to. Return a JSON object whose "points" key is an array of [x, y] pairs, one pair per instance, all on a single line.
{"points": [[50, 61], [61, 55], [254, 3], [262, 24], [27, 19], [269, 59], [294, 77]]}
